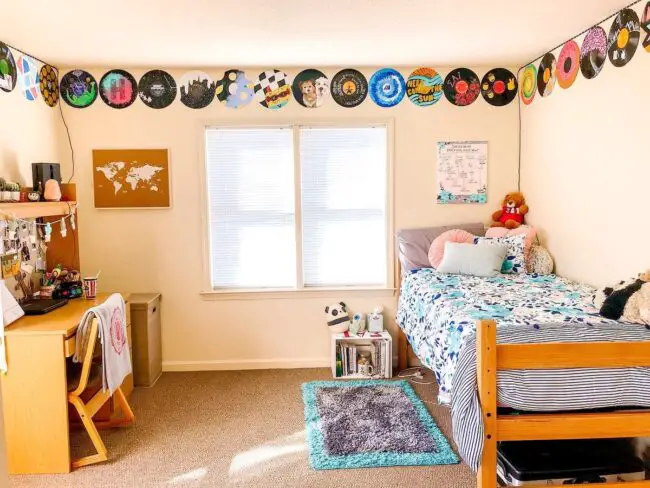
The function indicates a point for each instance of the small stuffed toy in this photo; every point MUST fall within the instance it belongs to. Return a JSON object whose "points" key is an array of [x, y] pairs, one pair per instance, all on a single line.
{"points": [[628, 301], [337, 317], [512, 211]]}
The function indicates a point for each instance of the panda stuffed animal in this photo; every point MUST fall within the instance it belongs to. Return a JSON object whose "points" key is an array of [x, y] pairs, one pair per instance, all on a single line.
{"points": [[628, 301], [337, 317]]}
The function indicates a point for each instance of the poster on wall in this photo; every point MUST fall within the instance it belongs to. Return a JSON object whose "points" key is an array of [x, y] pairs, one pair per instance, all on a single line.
{"points": [[131, 178], [462, 172]]}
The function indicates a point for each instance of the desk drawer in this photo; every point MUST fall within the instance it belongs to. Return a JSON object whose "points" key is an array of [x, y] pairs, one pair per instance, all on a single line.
{"points": [[69, 346]]}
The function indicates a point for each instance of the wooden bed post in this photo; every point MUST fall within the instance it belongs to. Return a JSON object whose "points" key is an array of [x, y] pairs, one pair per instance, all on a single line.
{"points": [[486, 363]]}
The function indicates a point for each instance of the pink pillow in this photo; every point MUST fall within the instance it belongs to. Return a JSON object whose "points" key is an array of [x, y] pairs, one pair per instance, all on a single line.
{"points": [[437, 249], [529, 231]]}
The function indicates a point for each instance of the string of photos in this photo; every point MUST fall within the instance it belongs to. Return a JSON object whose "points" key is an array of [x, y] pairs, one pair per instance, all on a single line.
{"points": [[387, 87]]}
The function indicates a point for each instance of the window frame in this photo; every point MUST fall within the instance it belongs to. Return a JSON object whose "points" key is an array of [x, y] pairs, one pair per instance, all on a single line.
{"points": [[210, 293]]}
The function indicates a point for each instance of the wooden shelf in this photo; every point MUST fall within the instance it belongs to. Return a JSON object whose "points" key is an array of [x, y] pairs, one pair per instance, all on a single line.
{"points": [[30, 210]]}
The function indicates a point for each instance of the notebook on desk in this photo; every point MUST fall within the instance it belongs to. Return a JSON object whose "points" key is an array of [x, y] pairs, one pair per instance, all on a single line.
{"points": [[40, 307]]}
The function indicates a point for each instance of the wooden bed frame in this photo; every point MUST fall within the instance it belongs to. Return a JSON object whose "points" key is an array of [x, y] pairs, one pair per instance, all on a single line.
{"points": [[492, 357]]}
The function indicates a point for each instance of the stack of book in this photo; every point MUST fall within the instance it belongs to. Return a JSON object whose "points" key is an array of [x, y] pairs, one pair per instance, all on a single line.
{"points": [[348, 355]]}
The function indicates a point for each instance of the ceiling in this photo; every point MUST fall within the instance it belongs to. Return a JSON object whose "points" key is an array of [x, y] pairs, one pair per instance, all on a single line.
{"points": [[285, 33]]}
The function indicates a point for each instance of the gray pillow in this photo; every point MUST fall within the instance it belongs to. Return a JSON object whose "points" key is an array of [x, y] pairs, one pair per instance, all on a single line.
{"points": [[413, 244], [473, 259]]}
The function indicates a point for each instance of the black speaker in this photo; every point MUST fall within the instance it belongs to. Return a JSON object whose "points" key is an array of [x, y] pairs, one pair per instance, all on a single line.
{"points": [[41, 172]]}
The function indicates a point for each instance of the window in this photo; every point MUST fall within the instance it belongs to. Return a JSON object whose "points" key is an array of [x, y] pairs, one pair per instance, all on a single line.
{"points": [[297, 207]]}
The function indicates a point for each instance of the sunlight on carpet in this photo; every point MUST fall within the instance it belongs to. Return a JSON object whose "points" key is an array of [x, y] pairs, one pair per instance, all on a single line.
{"points": [[271, 453]]}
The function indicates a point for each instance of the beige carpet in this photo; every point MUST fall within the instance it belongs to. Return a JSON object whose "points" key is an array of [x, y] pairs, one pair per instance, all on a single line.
{"points": [[233, 429]]}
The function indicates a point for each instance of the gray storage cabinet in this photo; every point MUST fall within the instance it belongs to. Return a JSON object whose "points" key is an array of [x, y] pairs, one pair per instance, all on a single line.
{"points": [[147, 339]]}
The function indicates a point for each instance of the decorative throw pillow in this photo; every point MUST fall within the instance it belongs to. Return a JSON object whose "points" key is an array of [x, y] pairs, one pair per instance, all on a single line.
{"points": [[437, 249], [474, 260], [539, 261], [527, 230], [515, 261]]}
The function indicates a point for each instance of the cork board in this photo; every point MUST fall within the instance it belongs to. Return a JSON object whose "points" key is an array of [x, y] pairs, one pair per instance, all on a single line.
{"points": [[131, 178]]}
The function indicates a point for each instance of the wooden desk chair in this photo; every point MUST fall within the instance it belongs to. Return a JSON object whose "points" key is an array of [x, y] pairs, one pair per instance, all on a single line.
{"points": [[91, 376]]}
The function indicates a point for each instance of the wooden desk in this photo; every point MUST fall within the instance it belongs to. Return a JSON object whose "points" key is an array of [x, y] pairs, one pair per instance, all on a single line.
{"points": [[34, 390]]}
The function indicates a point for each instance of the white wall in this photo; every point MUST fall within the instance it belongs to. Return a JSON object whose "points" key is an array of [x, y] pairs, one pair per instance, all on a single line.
{"points": [[586, 172], [161, 250]]}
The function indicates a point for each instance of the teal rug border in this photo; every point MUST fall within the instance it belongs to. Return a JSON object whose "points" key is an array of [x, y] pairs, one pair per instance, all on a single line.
{"points": [[319, 458]]}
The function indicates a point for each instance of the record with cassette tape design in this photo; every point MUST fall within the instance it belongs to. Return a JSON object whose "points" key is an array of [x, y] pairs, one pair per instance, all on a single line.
{"points": [[624, 36], [499, 87]]}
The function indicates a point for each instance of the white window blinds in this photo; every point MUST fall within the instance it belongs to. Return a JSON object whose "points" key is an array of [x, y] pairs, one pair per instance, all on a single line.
{"points": [[344, 193], [250, 181]]}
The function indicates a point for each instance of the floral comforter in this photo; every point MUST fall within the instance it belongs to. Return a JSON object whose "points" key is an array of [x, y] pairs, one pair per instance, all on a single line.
{"points": [[437, 312]]}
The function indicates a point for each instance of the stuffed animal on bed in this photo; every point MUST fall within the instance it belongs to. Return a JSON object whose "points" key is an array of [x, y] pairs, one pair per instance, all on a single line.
{"points": [[628, 301], [512, 211]]}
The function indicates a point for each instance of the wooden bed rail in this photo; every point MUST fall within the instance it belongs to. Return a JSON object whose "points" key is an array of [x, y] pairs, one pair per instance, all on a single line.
{"points": [[492, 357]]}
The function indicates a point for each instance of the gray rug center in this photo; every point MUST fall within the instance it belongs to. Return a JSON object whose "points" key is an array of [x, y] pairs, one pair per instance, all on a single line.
{"points": [[371, 419]]}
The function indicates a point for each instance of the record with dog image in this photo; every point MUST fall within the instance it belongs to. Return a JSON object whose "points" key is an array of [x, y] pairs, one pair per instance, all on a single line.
{"points": [[462, 87], [349, 88], [234, 90], [568, 64], [272, 89], [624, 36], [157, 89], [424, 87], [7, 68], [78, 88], [546, 75], [310, 88], [593, 52], [118, 88], [49, 85], [499, 87], [387, 87], [197, 89]]}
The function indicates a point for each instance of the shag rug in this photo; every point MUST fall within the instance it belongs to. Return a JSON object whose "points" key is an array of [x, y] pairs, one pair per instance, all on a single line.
{"points": [[367, 424]]}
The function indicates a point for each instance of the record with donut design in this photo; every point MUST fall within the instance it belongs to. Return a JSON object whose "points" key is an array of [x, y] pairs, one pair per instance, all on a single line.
{"points": [[310, 88], [49, 85], [349, 88], [118, 88], [234, 90], [29, 77], [272, 89], [387, 87], [546, 75], [7, 68], [593, 52], [462, 87], [499, 87], [624, 36], [528, 84], [568, 64], [424, 87], [645, 25], [78, 88], [197, 89], [157, 89]]}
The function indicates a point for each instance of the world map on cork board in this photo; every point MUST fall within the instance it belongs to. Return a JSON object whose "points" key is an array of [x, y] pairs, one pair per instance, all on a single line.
{"points": [[131, 178]]}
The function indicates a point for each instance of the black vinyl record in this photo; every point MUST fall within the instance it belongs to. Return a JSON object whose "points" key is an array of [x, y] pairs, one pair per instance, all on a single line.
{"points": [[118, 88], [7, 68], [546, 75], [593, 52], [462, 87], [624, 36], [349, 88], [78, 88], [157, 89], [499, 87]]}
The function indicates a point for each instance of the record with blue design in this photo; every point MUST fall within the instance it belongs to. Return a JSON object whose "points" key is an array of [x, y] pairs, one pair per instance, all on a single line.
{"points": [[118, 88], [78, 88], [424, 87], [29, 77], [7, 68], [349, 88], [157, 89], [387, 87], [235, 90]]}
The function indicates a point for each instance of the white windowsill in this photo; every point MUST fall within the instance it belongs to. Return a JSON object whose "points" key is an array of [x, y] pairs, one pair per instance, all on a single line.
{"points": [[283, 294]]}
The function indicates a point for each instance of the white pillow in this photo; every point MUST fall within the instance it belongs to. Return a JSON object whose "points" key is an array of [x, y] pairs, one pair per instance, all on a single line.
{"points": [[473, 259], [515, 260]]}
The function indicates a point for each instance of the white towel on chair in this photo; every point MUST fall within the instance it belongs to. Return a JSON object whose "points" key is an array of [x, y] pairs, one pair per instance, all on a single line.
{"points": [[9, 312], [116, 360]]}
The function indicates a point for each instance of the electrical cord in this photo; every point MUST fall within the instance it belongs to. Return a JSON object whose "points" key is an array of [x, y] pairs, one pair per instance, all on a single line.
{"points": [[416, 377]]}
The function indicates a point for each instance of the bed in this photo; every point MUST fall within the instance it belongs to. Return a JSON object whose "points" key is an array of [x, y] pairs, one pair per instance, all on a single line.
{"points": [[453, 324]]}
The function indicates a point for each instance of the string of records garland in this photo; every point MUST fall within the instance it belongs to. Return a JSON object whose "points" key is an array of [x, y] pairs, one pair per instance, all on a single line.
{"points": [[273, 89]]}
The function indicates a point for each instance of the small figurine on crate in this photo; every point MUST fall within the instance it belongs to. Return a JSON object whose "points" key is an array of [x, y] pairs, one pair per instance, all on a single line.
{"points": [[376, 320]]}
